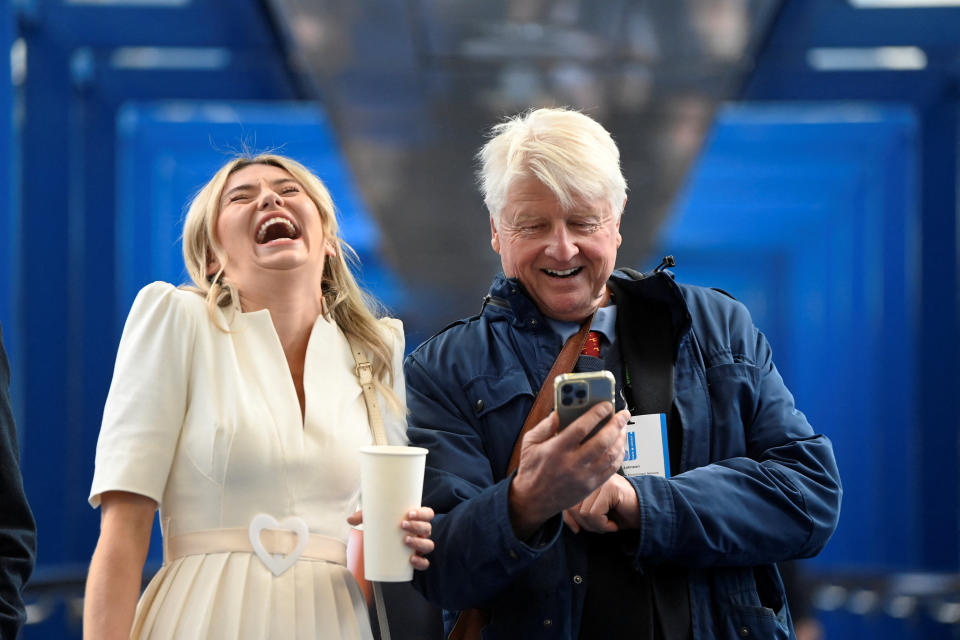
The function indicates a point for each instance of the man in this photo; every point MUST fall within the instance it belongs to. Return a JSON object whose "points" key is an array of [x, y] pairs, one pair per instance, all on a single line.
{"points": [[566, 546], [18, 534]]}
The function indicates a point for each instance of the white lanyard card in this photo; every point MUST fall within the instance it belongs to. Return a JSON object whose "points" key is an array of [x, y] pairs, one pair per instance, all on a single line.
{"points": [[648, 453]]}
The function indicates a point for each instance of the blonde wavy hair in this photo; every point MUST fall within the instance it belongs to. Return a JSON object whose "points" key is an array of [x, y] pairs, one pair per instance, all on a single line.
{"points": [[354, 310]]}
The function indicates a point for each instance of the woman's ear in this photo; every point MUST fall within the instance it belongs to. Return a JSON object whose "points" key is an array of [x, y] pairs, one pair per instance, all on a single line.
{"points": [[213, 266]]}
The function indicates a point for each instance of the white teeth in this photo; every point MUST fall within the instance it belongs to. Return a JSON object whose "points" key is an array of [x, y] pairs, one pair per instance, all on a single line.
{"points": [[565, 272], [262, 231]]}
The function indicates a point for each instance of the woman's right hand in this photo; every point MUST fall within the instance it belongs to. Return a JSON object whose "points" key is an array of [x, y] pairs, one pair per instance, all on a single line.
{"points": [[116, 570], [417, 525], [418, 528]]}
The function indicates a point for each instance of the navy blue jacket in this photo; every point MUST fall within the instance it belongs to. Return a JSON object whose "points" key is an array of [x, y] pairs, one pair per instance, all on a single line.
{"points": [[755, 484], [18, 533]]}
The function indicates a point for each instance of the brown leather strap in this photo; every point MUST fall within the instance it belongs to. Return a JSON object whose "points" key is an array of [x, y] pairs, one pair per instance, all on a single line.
{"points": [[470, 622], [544, 400]]}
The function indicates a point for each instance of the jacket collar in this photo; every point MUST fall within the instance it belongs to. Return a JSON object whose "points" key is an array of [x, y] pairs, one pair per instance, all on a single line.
{"points": [[509, 296]]}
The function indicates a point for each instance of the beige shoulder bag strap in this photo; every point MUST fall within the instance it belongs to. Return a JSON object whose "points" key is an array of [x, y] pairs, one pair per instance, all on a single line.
{"points": [[364, 373]]}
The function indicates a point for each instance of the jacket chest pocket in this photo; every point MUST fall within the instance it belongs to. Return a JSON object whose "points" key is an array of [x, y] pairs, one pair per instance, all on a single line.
{"points": [[732, 390], [499, 404]]}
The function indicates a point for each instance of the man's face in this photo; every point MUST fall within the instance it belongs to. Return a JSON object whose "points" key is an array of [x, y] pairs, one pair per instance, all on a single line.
{"points": [[562, 257]]}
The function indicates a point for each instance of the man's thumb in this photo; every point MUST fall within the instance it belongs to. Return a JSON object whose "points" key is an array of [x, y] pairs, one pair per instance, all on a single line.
{"points": [[544, 430]]}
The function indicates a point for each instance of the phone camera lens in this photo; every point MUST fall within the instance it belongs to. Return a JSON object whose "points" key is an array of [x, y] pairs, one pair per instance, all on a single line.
{"points": [[581, 393], [566, 400]]}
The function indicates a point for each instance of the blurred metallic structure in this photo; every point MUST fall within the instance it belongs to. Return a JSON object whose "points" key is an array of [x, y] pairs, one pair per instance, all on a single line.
{"points": [[411, 86]]}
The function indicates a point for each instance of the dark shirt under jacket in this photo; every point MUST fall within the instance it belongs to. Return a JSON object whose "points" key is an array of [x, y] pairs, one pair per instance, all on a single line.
{"points": [[620, 600], [18, 531]]}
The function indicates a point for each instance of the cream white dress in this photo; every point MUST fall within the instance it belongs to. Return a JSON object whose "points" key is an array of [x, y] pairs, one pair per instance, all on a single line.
{"points": [[208, 424]]}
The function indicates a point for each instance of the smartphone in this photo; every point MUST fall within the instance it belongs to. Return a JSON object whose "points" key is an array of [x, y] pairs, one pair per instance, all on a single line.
{"points": [[575, 393]]}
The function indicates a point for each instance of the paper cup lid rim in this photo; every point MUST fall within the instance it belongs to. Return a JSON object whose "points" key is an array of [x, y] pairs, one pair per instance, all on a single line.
{"points": [[393, 450]]}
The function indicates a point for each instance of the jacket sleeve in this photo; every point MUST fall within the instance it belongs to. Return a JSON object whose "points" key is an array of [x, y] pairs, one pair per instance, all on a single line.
{"points": [[477, 554], [775, 496], [18, 534]]}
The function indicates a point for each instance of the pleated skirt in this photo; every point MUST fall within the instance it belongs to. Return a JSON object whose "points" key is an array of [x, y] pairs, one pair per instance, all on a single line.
{"points": [[233, 596]]}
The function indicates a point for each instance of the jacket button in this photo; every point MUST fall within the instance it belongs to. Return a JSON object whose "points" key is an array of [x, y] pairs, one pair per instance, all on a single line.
{"points": [[533, 322], [577, 579], [744, 632], [479, 405], [513, 554], [547, 622]]}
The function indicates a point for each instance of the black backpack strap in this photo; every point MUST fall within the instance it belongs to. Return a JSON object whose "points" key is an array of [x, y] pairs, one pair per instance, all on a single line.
{"points": [[646, 332]]}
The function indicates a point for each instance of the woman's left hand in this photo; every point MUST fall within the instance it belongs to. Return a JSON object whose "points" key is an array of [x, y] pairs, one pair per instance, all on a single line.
{"points": [[418, 528]]}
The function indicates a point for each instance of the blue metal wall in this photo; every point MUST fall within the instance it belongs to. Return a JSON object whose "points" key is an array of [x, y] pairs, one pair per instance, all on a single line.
{"points": [[8, 233]]}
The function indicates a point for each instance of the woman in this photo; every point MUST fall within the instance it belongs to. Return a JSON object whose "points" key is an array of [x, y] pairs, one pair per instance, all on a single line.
{"points": [[235, 408]]}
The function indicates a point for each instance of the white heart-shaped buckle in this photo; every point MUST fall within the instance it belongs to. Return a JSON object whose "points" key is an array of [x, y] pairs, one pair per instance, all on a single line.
{"points": [[278, 563]]}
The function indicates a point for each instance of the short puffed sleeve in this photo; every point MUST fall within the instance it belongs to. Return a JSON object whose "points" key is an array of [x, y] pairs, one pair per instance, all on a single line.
{"points": [[396, 423], [149, 393]]}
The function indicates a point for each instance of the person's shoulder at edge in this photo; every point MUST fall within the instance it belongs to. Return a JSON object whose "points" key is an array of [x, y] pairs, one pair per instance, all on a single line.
{"points": [[393, 328], [161, 303], [722, 322], [441, 340], [182, 296]]}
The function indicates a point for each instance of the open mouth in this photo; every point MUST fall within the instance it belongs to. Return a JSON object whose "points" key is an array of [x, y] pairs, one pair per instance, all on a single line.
{"points": [[564, 273], [276, 228]]}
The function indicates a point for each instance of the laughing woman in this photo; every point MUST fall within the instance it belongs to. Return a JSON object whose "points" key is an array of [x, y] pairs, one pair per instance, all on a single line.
{"points": [[235, 410]]}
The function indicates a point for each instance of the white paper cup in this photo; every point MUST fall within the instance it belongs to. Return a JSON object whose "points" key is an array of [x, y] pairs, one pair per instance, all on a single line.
{"points": [[391, 483]]}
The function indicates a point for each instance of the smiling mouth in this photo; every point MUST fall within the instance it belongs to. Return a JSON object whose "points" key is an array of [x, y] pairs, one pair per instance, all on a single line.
{"points": [[276, 228], [564, 273]]}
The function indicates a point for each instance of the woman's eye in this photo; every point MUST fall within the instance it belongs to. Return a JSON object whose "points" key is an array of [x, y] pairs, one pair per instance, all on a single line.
{"points": [[238, 198], [290, 190]]}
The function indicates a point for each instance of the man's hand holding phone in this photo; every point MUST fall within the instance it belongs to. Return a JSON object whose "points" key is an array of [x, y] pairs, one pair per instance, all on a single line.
{"points": [[559, 469]]}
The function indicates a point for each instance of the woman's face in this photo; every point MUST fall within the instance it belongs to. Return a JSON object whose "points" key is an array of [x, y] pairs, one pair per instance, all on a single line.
{"points": [[269, 225]]}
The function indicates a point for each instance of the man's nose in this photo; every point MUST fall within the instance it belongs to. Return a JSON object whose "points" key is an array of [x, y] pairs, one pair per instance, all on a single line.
{"points": [[561, 246]]}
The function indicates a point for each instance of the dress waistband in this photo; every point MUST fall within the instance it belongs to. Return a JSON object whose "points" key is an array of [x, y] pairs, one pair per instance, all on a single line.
{"points": [[284, 543]]}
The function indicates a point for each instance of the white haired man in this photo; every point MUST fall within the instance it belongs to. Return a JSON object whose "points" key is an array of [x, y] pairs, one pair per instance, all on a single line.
{"points": [[642, 555]]}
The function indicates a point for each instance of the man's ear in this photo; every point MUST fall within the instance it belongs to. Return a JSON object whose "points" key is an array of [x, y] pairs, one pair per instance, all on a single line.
{"points": [[494, 236], [619, 218]]}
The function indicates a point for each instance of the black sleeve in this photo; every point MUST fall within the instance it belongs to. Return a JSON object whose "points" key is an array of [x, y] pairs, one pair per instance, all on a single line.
{"points": [[18, 531]]}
